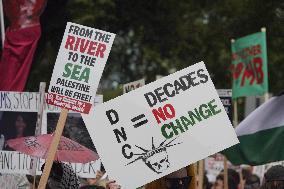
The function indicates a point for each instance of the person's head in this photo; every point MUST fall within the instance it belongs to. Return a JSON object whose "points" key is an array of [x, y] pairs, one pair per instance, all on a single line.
{"points": [[21, 124], [178, 179], [55, 175], [252, 182], [18, 124], [274, 178], [219, 183], [233, 180]]}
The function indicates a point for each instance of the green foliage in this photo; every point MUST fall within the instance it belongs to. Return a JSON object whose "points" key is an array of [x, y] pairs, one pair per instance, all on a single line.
{"points": [[157, 37]]}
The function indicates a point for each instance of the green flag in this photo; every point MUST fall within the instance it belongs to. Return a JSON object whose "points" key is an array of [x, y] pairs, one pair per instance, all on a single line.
{"points": [[249, 65]]}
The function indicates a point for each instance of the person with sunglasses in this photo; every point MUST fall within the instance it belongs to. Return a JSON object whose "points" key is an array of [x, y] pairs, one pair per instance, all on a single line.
{"points": [[180, 179]]}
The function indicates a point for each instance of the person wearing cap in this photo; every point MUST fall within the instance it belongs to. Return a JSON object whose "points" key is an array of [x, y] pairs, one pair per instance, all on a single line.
{"points": [[274, 178]]}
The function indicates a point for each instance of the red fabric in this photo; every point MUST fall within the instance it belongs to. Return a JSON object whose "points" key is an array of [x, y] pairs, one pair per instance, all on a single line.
{"points": [[17, 57]]}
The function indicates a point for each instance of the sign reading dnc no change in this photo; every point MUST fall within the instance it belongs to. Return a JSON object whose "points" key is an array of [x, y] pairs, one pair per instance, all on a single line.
{"points": [[160, 127]]}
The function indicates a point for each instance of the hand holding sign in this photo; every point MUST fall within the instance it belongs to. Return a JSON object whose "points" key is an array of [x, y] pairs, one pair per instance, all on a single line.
{"points": [[178, 113]]}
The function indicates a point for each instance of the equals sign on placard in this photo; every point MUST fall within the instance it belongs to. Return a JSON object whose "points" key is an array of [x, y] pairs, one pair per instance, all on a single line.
{"points": [[139, 120]]}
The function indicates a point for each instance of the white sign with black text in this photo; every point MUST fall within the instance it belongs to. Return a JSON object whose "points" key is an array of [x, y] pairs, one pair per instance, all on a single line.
{"points": [[161, 127]]}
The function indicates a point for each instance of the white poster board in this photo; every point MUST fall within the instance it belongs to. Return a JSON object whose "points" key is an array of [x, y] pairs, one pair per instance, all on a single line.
{"points": [[133, 85], [26, 104], [226, 99], [78, 68], [160, 127]]}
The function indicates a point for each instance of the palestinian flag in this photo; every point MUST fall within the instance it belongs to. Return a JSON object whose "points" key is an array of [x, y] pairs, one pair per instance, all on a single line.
{"points": [[261, 135]]}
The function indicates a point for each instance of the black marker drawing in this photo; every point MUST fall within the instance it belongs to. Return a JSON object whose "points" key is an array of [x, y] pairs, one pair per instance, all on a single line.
{"points": [[138, 118], [156, 158]]}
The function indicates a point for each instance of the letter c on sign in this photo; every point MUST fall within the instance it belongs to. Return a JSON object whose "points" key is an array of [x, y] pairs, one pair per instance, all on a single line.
{"points": [[164, 132], [127, 156]]}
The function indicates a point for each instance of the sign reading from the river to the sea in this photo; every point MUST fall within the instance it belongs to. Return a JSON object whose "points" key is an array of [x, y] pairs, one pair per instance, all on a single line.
{"points": [[149, 129], [78, 68]]}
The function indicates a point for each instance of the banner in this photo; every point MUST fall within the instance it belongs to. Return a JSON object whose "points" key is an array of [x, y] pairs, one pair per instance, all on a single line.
{"points": [[133, 85], [12, 162], [225, 96], [18, 115], [249, 65], [78, 68], [149, 129]]}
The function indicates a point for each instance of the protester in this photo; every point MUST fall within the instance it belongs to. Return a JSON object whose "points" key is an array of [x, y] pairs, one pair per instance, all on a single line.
{"points": [[62, 176], [177, 180], [252, 182], [20, 43], [233, 180], [274, 178]]}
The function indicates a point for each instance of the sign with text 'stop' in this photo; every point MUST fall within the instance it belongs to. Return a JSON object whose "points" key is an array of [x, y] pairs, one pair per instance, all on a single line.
{"points": [[161, 127], [78, 68]]}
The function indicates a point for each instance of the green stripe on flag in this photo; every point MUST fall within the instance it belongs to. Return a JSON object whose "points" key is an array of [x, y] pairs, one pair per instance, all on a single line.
{"points": [[259, 148]]}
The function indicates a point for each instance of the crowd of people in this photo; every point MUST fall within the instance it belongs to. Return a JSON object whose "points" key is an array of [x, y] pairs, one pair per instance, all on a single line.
{"points": [[63, 177]]}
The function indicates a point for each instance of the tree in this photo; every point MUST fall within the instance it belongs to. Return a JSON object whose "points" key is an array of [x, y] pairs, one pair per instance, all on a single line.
{"points": [[161, 36]]}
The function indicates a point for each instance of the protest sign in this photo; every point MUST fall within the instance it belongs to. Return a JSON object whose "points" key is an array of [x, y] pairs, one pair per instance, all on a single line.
{"points": [[249, 65], [133, 85], [12, 162], [225, 96], [78, 68], [143, 135], [26, 105]]}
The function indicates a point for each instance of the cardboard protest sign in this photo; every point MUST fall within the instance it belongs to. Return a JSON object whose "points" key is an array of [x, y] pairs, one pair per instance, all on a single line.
{"points": [[146, 133], [226, 99], [12, 162], [249, 65], [22, 107], [133, 85], [78, 68]]}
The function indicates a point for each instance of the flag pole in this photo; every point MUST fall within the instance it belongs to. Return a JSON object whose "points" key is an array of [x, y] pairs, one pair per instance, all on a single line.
{"points": [[42, 87], [235, 123], [2, 23], [266, 95], [53, 148], [195, 180]]}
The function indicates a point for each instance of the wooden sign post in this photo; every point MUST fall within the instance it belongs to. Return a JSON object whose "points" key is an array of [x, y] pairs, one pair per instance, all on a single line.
{"points": [[75, 78], [53, 148]]}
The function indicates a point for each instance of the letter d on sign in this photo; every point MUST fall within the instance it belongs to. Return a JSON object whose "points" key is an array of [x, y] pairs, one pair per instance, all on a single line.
{"points": [[112, 116], [151, 103]]}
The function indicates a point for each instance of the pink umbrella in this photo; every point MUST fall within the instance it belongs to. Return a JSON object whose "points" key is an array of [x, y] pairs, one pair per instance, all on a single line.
{"points": [[68, 150]]}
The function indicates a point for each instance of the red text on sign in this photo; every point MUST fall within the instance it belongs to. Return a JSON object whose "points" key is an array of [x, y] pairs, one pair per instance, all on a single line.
{"points": [[167, 112], [251, 71], [85, 46]]}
